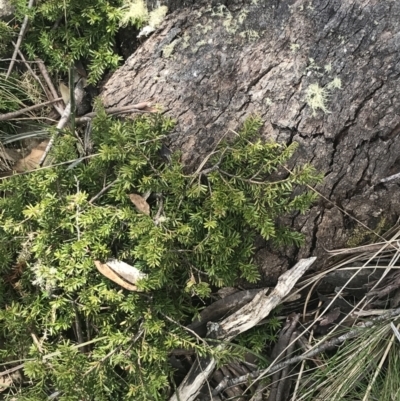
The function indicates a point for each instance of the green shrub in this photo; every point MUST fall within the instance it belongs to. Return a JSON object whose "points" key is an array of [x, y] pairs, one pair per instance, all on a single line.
{"points": [[61, 32], [198, 236]]}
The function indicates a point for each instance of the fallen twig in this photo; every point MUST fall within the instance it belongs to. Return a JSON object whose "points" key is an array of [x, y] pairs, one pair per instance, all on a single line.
{"points": [[59, 107], [78, 94], [19, 41], [13, 114], [29, 68], [244, 319]]}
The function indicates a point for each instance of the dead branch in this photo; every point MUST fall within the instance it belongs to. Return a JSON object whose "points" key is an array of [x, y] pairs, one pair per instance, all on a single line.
{"points": [[42, 68], [244, 319], [19, 41], [13, 114], [78, 95], [29, 68], [283, 347]]}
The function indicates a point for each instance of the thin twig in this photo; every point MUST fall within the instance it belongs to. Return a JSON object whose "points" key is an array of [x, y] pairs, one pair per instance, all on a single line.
{"points": [[112, 352], [102, 192], [45, 74], [69, 109], [12, 370], [20, 37], [34, 75], [13, 114], [186, 328], [78, 327], [61, 124]]}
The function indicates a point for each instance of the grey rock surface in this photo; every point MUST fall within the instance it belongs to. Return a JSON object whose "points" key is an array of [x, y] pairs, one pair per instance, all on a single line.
{"points": [[212, 66], [6, 10]]}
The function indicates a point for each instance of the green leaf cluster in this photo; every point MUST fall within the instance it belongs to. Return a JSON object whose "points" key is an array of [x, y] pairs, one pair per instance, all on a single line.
{"points": [[61, 32], [200, 233]]}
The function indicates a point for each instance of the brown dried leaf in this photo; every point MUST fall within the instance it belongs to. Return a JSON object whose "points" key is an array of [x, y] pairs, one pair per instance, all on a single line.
{"points": [[129, 273], [106, 271], [9, 380], [141, 205], [31, 161]]}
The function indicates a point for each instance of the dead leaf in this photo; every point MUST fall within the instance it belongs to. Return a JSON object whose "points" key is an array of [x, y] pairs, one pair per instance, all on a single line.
{"points": [[31, 161], [129, 273], [64, 92], [7, 381], [141, 205], [106, 271]]}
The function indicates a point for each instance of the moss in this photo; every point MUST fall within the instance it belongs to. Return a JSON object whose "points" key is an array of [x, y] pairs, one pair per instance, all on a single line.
{"points": [[361, 235]]}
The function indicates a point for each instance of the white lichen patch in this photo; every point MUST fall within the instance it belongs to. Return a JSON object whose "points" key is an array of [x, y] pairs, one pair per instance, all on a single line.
{"points": [[316, 98], [328, 67], [268, 101]]}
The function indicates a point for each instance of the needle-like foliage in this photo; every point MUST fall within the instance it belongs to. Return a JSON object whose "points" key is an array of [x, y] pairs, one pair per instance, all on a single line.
{"points": [[199, 235]]}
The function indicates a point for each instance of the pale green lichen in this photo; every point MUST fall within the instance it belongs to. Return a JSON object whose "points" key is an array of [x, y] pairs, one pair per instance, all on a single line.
{"points": [[250, 34], [219, 11], [157, 16], [203, 29], [169, 49], [336, 83], [294, 47], [231, 26], [134, 12], [328, 67], [198, 45], [316, 98], [312, 65], [185, 41], [242, 16]]}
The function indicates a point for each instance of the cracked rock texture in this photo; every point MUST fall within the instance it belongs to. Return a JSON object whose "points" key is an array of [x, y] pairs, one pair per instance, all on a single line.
{"points": [[212, 66]]}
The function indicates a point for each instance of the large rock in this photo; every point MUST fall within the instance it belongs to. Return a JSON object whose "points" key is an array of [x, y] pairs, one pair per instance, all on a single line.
{"points": [[6, 10], [212, 66]]}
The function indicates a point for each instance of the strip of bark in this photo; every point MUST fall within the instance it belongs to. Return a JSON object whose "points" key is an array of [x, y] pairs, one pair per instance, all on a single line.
{"points": [[221, 307], [242, 320]]}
